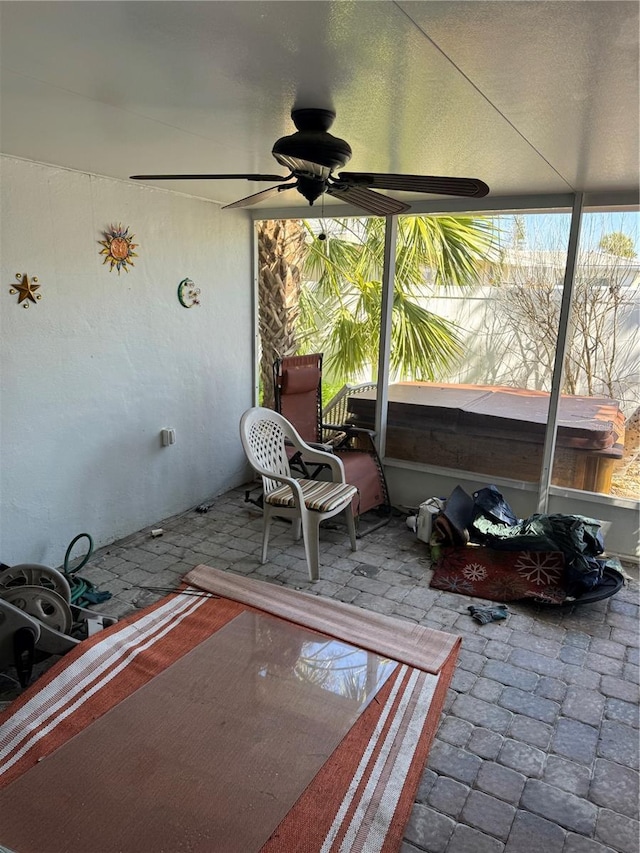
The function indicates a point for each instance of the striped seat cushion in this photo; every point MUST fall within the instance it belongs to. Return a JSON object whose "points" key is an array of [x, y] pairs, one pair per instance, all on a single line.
{"points": [[318, 495]]}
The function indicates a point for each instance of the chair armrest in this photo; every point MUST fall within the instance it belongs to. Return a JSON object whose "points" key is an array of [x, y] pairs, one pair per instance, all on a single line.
{"points": [[310, 454], [315, 445], [335, 427], [354, 430], [352, 438], [281, 478], [350, 429]]}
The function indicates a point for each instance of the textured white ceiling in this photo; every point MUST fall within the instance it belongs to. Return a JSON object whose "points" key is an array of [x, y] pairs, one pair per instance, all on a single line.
{"points": [[531, 97]]}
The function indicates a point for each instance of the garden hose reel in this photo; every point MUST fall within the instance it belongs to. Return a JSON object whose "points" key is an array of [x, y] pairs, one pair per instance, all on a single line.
{"points": [[37, 615]]}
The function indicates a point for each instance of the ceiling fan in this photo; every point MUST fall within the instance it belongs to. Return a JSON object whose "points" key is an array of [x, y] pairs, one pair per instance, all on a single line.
{"points": [[312, 155]]}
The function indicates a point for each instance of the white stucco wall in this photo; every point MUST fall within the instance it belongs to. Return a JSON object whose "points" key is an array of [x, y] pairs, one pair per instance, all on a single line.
{"points": [[92, 372]]}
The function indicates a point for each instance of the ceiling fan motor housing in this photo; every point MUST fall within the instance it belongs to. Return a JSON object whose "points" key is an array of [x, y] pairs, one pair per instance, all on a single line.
{"points": [[312, 145]]}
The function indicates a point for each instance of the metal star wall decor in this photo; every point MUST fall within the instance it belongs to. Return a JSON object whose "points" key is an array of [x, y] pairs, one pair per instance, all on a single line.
{"points": [[26, 289], [118, 248]]}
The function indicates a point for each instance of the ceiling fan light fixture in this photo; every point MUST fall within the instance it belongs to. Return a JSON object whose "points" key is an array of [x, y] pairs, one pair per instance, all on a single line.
{"points": [[305, 167]]}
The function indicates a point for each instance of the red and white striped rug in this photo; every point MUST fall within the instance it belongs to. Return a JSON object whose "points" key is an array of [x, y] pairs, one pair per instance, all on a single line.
{"points": [[164, 733]]}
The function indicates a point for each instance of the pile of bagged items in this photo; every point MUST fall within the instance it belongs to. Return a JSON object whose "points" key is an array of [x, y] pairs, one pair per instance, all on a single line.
{"points": [[480, 548]]}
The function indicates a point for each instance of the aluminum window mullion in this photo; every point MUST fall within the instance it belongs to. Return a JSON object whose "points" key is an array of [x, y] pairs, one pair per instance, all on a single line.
{"points": [[561, 348], [255, 310], [384, 352]]}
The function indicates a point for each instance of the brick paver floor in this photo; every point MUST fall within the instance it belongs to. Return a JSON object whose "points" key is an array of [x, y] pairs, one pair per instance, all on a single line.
{"points": [[537, 749]]}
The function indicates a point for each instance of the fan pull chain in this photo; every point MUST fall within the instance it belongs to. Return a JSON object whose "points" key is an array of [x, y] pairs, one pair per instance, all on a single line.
{"points": [[322, 235]]}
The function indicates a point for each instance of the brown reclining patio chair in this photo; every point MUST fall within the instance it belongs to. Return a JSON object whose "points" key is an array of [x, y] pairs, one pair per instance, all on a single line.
{"points": [[298, 397]]}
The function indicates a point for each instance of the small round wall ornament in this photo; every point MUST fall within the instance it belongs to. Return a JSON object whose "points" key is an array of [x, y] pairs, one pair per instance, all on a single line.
{"points": [[118, 248], [26, 289], [188, 293]]}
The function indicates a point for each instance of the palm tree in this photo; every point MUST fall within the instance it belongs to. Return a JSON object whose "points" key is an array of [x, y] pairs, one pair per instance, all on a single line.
{"points": [[340, 308], [281, 252], [336, 309]]}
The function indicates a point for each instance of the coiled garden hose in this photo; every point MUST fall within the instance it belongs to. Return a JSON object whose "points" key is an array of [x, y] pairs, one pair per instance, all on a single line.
{"points": [[79, 586], [70, 549]]}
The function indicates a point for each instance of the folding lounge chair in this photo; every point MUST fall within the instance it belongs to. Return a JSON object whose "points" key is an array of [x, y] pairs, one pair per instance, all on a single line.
{"points": [[298, 397]]}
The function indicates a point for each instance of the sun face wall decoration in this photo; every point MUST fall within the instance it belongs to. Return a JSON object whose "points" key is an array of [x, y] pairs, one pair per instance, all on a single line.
{"points": [[118, 248]]}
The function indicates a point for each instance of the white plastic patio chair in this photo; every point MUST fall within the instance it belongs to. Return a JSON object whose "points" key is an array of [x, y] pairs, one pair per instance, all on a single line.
{"points": [[307, 502]]}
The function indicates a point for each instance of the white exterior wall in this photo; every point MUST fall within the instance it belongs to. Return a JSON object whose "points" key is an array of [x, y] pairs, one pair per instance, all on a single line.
{"points": [[495, 355], [92, 372]]}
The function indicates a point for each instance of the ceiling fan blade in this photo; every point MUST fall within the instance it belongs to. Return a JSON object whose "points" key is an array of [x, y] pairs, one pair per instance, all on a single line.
{"points": [[468, 187], [261, 196], [210, 177], [375, 203]]}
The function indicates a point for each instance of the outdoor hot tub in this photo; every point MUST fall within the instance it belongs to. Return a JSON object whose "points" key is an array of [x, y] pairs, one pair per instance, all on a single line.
{"points": [[499, 431]]}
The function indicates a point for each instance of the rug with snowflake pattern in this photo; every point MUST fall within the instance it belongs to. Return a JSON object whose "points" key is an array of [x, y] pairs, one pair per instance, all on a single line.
{"points": [[501, 575]]}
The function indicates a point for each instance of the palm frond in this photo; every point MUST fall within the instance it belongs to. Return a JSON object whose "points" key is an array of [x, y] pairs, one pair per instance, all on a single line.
{"points": [[340, 301]]}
